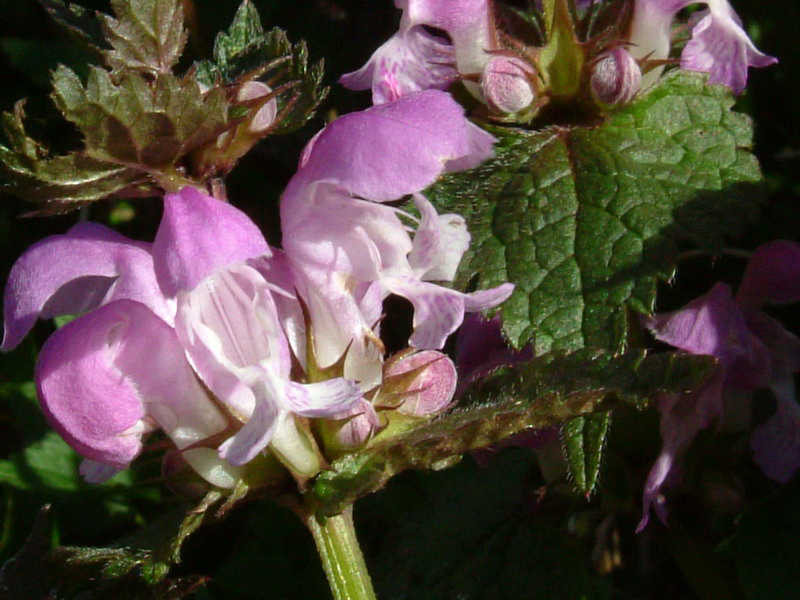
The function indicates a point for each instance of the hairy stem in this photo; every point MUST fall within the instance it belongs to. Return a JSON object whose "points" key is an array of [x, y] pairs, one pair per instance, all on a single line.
{"points": [[341, 556]]}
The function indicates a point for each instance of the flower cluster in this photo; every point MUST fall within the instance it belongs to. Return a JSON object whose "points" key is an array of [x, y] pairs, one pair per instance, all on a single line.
{"points": [[517, 76], [237, 350], [753, 351]]}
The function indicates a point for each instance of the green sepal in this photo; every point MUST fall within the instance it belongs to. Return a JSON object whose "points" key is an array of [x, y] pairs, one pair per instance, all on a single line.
{"points": [[561, 60]]}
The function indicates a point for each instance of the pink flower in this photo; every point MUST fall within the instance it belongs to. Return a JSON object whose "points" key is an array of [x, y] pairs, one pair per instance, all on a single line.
{"points": [[753, 350], [718, 45], [414, 60], [354, 250], [194, 297]]}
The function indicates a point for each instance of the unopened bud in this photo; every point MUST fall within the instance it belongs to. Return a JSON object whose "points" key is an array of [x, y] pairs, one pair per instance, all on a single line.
{"points": [[506, 84], [616, 77], [253, 90], [425, 381], [354, 427]]}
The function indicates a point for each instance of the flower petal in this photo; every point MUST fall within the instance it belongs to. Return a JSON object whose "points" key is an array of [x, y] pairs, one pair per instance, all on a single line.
{"points": [[439, 243], [321, 399], [484, 299], [230, 329], [776, 443], [412, 60], [332, 231], [467, 22], [481, 348], [95, 472], [199, 235], [771, 276], [254, 436], [75, 272], [439, 311], [720, 47], [94, 407], [683, 416], [704, 326], [390, 150]]}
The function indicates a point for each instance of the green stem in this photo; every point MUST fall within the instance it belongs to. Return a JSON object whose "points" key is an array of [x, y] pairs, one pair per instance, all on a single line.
{"points": [[341, 556]]}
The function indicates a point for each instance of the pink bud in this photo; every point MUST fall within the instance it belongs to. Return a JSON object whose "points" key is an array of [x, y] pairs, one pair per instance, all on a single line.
{"points": [[252, 90], [616, 77], [355, 426], [506, 84], [431, 389]]}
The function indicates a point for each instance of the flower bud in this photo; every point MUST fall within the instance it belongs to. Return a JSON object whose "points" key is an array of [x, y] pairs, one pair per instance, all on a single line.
{"points": [[426, 382], [616, 77], [252, 90], [351, 428], [506, 84]]}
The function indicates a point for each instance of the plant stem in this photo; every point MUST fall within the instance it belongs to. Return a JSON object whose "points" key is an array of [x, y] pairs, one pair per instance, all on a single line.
{"points": [[341, 556]]}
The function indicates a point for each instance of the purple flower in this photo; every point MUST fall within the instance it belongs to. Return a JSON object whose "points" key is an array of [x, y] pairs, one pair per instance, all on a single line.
{"points": [[414, 60], [753, 350], [718, 45], [197, 297], [482, 349], [354, 250]]}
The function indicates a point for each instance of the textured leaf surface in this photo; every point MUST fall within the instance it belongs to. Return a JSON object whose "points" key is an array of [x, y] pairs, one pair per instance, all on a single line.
{"points": [[583, 440], [472, 533], [146, 34], [545, 392], [585, 220], [247, 51], [136, 567], [138, 122], [60, 183]]}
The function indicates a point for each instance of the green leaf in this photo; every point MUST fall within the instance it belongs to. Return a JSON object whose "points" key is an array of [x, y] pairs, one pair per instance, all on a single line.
{"points": [[137, 566], [246, 51], [585, 220], [243, 48], [138, 122], [59, 183], [766, 547], [46, 464], [146, 35], [473, 533], [544, 392], [583, 440], [79, 22]]}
